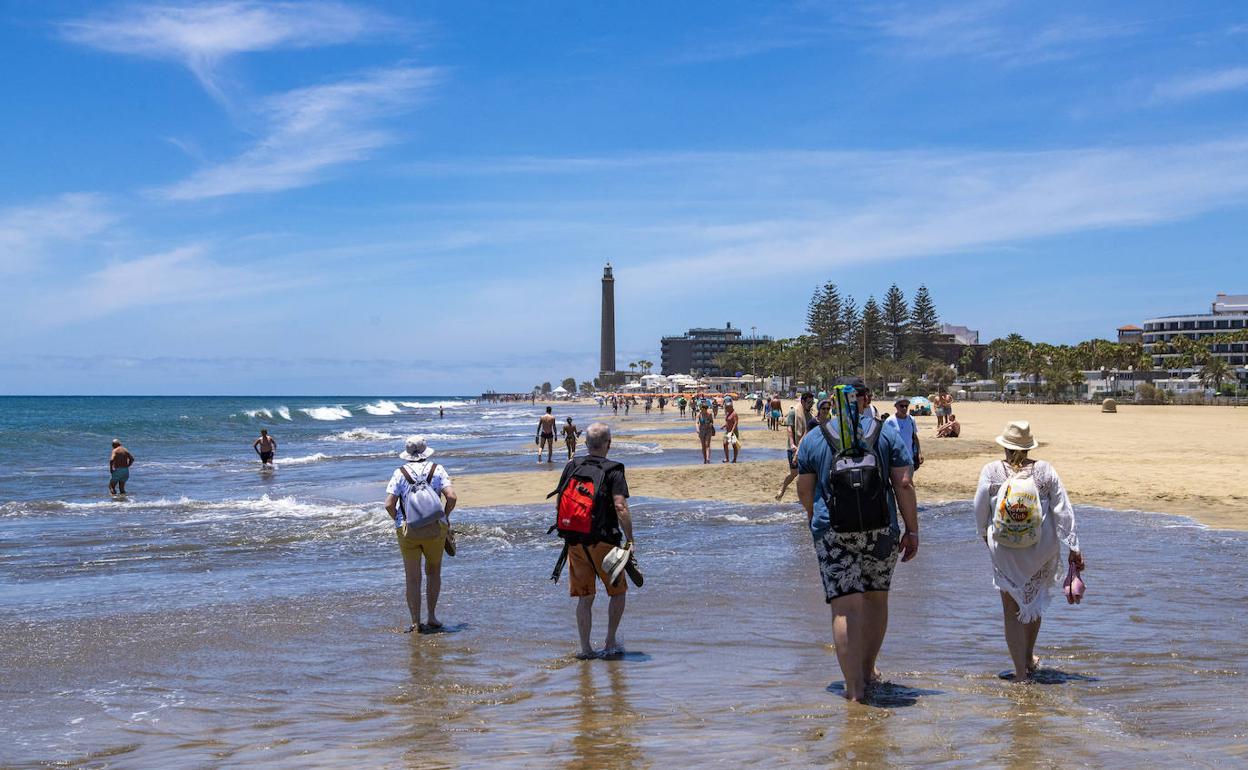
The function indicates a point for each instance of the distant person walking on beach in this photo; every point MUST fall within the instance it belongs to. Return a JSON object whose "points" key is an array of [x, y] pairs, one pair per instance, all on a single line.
{"points": [[773, 416], [852, 500], [798, 421], [706, 429], [119, 463], [545, 436], [1023, 514], [951, 429], [569, 436], [610, 526], [908, 429], [732, 436], [420, 499], [681, 403], [265, 446]]}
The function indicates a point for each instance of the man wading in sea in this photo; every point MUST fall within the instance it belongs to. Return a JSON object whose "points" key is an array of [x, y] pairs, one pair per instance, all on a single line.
{"points": [[546, 436], [119, 463], [852, 502], [265, 446], [608, 521]]}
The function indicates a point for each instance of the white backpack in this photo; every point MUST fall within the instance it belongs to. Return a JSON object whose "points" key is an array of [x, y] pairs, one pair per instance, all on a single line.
{"points": [[1016, 511], [420, 504]]}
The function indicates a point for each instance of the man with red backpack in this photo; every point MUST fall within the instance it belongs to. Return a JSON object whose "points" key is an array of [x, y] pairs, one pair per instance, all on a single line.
{"points": [[593, 520]]}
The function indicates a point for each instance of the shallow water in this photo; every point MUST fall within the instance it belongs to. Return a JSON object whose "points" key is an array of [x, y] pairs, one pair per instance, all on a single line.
{"points": [[232, 629]]}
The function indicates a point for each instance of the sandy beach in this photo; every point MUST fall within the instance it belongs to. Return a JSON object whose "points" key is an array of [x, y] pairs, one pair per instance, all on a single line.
{"points": [[1137, 459]]}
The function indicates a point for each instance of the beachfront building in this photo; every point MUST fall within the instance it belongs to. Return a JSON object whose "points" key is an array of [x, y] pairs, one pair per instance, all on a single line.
{"points": [[1228, 314], [695, 351]]}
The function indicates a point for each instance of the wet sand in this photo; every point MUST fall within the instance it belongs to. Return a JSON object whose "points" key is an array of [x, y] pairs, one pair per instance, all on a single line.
{"points": [[1186, 460], [728, 664]]}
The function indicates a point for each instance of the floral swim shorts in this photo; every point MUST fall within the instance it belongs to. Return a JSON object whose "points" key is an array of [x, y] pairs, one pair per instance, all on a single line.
{"points": [[856, 562]]}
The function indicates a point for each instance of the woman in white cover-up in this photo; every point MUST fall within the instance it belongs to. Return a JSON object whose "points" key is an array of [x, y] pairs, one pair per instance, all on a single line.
{"points": [[1023, 514]]}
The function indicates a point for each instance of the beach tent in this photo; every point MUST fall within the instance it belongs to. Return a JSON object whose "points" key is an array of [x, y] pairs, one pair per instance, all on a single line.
{"points": [[559, 392]]}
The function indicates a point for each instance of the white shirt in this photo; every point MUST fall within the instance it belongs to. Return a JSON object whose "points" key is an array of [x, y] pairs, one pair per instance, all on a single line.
{"points": [[906, 427]]}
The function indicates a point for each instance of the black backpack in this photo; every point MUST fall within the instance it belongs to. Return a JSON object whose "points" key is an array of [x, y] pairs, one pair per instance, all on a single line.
{"points": [[858, 498]]}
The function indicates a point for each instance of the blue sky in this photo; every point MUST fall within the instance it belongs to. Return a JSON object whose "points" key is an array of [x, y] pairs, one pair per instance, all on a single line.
{"points": [[322, 198]]}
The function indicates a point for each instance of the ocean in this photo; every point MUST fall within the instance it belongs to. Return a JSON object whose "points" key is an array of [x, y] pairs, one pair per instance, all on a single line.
{"points": [[222, 616]]}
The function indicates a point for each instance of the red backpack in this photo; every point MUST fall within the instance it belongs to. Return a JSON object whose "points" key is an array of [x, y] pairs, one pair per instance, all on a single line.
{"points": [[582, 512]]}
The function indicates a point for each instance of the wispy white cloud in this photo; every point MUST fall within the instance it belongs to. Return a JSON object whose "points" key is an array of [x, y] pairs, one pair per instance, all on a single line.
{"points": [[995, 30], [26, 232], [1203, 84], [201, 36], [183, 275], [311, 130]]}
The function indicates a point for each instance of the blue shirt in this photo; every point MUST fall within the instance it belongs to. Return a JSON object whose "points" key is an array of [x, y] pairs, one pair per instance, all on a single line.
{"points": [[815, 456]]}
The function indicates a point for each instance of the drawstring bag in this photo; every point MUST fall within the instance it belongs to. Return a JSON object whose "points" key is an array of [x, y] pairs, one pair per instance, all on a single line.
{"points": [[1016, 511]]}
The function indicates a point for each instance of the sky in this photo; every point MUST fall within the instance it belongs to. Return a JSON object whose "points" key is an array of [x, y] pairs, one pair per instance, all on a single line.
{"points": [[419, 197]]}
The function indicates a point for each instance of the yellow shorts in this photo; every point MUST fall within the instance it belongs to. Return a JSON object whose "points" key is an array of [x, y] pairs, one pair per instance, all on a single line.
{"points": [[425, 540]]}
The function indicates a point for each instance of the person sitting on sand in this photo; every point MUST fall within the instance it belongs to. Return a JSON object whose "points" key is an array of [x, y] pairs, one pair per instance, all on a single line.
{"points": [[119, 463], [586, 555], [732, 437], [1023, 515], [951, 429], [857, 565], [427, 540], [546, 436], [706, 429], [265, 446], [569, 437]]}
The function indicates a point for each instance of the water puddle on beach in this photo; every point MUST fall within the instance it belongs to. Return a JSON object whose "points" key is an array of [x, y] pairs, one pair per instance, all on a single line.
{"points": [[728, 657]]}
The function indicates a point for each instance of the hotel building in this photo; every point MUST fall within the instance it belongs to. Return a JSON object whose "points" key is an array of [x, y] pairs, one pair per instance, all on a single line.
{"points": [[1229, 313]]}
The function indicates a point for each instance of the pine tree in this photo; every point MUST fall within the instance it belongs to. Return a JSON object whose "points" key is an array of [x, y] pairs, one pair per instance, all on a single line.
{"points": [[896, 317], [824, 319], [873, 328], [924, 323]]}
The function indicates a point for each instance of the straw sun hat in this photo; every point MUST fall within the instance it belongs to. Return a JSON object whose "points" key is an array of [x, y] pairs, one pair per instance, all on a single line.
{"points": [[1017, 435]]}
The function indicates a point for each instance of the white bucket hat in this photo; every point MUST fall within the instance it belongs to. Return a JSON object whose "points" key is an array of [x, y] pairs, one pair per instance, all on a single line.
{"points": [[614, 563], [415, 449], [1017, 435]]}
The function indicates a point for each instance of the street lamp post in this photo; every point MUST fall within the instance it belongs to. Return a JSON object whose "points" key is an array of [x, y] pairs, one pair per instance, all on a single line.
{"points": [[753, 342]]}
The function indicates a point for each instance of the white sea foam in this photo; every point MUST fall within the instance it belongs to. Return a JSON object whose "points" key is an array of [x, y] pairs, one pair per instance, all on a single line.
{"points": [[641, 449], [301, 460], [283, 412], [434, 404], [268, 414], [382, 408], [361, 434], [327, 413]]}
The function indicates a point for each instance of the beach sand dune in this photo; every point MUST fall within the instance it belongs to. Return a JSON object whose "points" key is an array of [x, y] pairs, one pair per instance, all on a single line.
{"points": [[1186, 460]]}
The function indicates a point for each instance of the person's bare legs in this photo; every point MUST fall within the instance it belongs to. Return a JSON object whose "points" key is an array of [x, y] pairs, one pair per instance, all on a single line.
{"points": [[706, 450], [736, 450], [787, 481], [725, 451], [615, 611], [1020, 638], [433, 574], [848, 633], [411, 568], [585, 623], [874, 629]]}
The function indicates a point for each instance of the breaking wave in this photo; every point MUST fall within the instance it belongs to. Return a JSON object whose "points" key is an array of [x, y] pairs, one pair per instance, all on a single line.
{"points": [[327, 412], [382, 408]]}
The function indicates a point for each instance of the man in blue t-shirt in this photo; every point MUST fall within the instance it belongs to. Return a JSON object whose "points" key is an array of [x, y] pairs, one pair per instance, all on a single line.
{"points": [[857, 567]]}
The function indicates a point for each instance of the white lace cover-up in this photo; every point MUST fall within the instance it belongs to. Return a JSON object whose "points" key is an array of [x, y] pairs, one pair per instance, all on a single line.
{"points": [[1028, 574]]}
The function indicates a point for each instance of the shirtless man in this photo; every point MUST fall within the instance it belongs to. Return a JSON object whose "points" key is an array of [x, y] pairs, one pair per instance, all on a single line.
{"points": [[951, 429], [546, 436], [569, 437], [773, 415], [265, 446], [731, 435], [119, 463]]}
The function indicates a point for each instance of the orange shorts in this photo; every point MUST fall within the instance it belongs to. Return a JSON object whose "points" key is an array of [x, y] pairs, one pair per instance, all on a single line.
{"points": [[581, 571]]}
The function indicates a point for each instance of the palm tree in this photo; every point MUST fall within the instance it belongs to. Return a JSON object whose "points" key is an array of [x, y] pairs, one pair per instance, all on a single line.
{"points": [[1215, 371]]}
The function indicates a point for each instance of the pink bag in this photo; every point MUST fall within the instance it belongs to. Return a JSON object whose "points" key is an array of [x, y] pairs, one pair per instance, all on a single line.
{"points": [[1073, 587]]}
